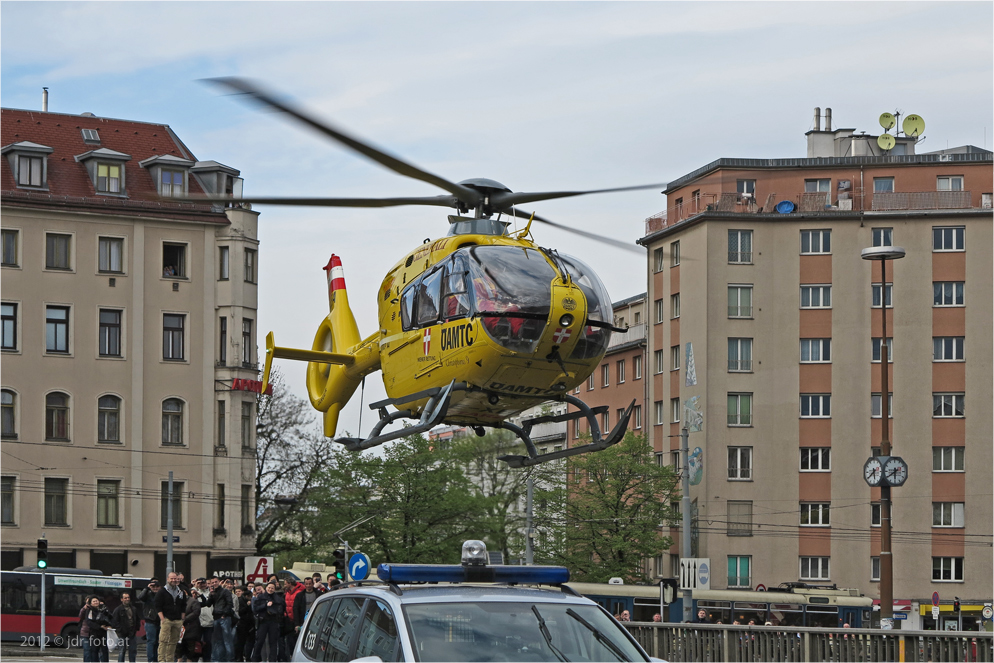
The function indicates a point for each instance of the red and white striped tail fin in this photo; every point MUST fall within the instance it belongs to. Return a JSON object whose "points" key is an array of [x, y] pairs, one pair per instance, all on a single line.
{"points": [[336, 275]]}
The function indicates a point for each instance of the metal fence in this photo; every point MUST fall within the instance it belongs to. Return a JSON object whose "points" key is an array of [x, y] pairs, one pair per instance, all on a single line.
{"points": [[712, 642]]}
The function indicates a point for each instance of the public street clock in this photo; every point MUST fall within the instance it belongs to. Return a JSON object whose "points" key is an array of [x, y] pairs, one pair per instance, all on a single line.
{"points": [[873, 471], [885, 471]]}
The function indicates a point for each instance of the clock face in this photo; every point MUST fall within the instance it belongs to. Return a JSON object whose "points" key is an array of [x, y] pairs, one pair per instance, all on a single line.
{"points": [[895, 471], [872, 472]]}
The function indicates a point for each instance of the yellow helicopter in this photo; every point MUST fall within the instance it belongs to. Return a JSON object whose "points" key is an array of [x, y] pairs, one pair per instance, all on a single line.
{"points": [[474, 327]]}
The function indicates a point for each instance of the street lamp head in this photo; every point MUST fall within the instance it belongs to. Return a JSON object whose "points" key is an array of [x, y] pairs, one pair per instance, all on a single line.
{"points": [[882, 253]]}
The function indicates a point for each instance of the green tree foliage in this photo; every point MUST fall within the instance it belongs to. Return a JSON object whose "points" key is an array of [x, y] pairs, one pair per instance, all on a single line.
{"points": [[607, 517]]}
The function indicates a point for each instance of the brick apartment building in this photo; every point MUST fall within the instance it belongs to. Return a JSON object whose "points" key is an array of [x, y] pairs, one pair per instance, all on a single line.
{"points": [[755, 265], [129, 343]]}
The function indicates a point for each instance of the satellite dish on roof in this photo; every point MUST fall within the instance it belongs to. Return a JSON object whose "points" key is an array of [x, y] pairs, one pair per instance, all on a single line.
{"points": [[887, 120], [886, 141], [913, 125]]}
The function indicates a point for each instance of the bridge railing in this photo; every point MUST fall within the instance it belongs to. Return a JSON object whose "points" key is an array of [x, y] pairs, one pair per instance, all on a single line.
{"points": [[716, 642]]}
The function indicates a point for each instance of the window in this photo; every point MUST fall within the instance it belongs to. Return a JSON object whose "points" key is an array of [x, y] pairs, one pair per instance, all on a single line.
{"points": [[947, 459], [57, 250], [740, 409], [674, 253], [739, 463], [111, 254], [739, 247], [947, 293], [659, 310], [739, 518], [947, 348], [7, 500], [816, 459], [814, 515], [246, 425], [888, 295], [219, 504], [172, 184], [56, 502], [746, 188], [10, 238], [107, 503], [947, 514], [223, 262], [675, 306], [816, 350], [675, 410], [177, 502], [246, 506], [657, 357], [172, 336], [738, 571], [621, 371], [875, 350], [249, 266], [637, 366], [883, 185], [659, 412], [108, 178], [875, 405], [875, 569], [819, 186], [637, 417], [223, 349], [740, 355], [590, 382], [605, 375], [172, 421], [948, 405], [108, 419], [174, 260], [883, 236], [9, 414], [605, 421], [638, 317], [740, 301], [675, 358], [57, 417], [949, 239], [8, 319], [221, 423], [110, 333], [816, 406], [814, 568], [30, 171], [876, 515], [816, 296], [57, 329], [815, 242], [247, 342], [949, 183], [90, 136], [658, 260], [947, 569]]}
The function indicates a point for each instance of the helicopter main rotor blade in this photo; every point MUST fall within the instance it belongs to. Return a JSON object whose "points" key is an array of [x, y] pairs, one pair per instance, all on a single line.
{"points": [[521, 214], [468, 196], [499, 200], [437, 201]]}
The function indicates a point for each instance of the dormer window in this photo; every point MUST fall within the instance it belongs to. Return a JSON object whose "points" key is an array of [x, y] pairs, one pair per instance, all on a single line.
{"points": [[29, 164], [170, 174], [109, 178], [218, 179], [106, 170], [91, 136], [172, 184]]}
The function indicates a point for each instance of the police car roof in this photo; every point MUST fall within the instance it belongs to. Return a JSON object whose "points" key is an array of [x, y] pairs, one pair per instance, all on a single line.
{"points": [[465, 592]]}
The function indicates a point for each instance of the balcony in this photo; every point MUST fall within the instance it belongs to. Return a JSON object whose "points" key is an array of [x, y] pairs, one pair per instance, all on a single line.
{"points": [[633, 334]]}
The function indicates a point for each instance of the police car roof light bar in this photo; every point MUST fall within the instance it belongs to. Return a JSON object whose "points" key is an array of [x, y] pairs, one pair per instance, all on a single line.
{"points": [[536, 575]]}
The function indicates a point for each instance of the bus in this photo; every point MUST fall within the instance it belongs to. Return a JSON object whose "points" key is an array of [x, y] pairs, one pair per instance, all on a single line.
{"points": [[65, 591], [790, 604]]}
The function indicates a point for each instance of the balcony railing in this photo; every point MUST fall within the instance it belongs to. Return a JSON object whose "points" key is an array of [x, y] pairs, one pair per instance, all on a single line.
{"points": [[740, 365], [634, 333]]}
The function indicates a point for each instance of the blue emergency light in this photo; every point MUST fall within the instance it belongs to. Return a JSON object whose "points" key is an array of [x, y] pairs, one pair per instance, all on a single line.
{"points": [[535, 575]]}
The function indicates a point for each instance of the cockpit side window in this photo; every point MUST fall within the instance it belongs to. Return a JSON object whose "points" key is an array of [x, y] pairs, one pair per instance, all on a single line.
{"points": [[428, 297], [456, 299], [407, 307]]}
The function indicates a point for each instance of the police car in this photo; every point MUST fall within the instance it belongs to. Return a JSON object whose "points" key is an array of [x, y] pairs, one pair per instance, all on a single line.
{"points": [[468, 612]]}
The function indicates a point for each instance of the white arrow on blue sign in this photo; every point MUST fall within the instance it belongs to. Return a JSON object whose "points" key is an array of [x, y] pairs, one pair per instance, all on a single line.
{"points": [[359, 566]]}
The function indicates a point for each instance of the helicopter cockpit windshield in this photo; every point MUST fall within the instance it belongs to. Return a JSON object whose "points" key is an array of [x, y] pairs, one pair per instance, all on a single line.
{"points": [[593, 340]]}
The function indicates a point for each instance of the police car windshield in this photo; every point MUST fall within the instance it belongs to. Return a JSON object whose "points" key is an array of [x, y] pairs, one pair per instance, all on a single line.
{"points": [[506, 631]]}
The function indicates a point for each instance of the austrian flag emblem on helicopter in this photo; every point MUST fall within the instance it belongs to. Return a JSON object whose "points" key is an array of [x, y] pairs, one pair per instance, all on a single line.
{"points": [[561, 335], [427, 341]]}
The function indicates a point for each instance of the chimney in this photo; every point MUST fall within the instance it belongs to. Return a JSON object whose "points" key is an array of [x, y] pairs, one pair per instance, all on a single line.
{"points": [[44, 100], [828, 119], [817, 118]]}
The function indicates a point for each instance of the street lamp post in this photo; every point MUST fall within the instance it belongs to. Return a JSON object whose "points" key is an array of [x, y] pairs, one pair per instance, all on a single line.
{"points": [[883, 254]]}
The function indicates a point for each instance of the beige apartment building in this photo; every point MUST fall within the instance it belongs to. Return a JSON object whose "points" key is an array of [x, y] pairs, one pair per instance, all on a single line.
{"points": [[755, 272], [129, 349]]}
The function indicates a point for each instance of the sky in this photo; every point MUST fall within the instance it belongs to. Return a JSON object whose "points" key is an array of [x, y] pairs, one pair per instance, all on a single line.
{"points": [[536, 95]]}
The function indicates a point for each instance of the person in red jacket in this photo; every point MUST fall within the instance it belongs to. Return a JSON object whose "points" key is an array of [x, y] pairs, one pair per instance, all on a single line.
{"points": [[290, 639]]}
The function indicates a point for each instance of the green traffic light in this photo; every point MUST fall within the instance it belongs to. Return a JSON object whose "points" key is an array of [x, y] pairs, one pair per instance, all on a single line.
{"points": [[42, 564]]}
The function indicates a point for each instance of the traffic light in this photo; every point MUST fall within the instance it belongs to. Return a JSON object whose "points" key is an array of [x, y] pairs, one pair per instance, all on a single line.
{"points": [[339, 563], [956, 605], [42, 554]]}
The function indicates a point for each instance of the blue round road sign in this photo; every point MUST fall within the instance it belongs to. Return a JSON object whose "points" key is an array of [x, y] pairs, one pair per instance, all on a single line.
{"points": [[359, 566]]}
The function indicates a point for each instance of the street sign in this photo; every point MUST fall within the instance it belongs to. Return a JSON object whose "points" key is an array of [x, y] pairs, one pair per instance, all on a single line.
{"points": [[165, 539], [935, 612], [359, 566], [760, 587], [94, 581], [988, 612], [695, 573], [667, 590], [935, 598], [900, 615]]}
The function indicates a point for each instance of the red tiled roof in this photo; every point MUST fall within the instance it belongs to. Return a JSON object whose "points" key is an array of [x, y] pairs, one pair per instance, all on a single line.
{"points": [[69, 184]]}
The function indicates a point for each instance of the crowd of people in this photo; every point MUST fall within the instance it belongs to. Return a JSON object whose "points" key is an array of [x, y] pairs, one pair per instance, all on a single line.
{"points": [[208, 620]]}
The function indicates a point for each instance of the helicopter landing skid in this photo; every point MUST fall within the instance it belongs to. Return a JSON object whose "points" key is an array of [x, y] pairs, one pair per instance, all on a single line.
{"points": [[599, 443], [431, 416]]}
